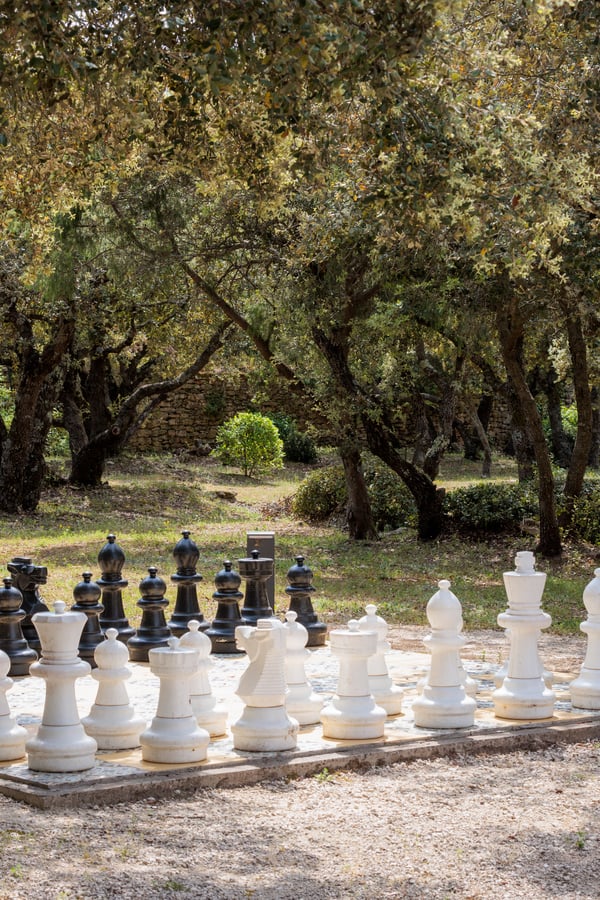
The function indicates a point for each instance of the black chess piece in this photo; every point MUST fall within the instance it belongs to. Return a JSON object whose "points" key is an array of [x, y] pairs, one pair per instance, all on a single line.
{"points": [[256, 570], [186, 578], [299, 589], [111, 560], [227, 618], [11, 634], [87, 597], [27, 578], [153, 631]]}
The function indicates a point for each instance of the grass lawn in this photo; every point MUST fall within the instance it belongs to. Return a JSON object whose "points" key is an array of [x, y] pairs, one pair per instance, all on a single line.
{"points": [[146, 501]]}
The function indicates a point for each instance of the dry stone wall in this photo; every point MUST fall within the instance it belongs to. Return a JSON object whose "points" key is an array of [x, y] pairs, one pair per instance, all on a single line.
{"points": [[190, 416]]}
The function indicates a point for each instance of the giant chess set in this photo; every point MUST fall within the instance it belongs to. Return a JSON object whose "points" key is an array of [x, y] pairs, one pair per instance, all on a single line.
{"points": [[101, 711]]}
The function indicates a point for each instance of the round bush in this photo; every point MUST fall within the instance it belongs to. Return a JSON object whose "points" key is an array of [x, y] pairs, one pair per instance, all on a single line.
{"points": [[392, 504], [297, 445], [585, 523], [489, 507], [251, 442], [320, 494], [323, 493]]}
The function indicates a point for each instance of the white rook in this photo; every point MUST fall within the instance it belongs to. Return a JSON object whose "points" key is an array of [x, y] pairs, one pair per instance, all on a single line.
{"points": [[174, 735], [352, 714], [523, 693], [444, 702], [585, 690], [61, 744]]}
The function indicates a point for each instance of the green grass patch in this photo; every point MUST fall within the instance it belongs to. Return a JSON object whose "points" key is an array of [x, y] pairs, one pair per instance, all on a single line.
{"points": [[146, 502]]}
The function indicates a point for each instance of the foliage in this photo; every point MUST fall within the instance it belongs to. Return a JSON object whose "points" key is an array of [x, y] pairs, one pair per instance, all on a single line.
{"points": [[251, 442], [489, 507], [392, 504], [585, 523], [321, 494], [297, 445]]}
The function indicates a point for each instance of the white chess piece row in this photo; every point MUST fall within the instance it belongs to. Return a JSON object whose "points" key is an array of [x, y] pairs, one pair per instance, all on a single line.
{"points": [[277, 695]]}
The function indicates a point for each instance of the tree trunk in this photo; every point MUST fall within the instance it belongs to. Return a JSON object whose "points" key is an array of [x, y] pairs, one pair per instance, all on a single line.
{"points": [[486, 467], [561, 445], [361, 526], [428, 498], [583, 397], [594, 457], [87, 465], [511, 325], [18, 469]]}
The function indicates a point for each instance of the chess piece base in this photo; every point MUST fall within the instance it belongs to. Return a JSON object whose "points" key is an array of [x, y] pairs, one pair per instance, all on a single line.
{"points": [[174, 741], [61, 748], [12, 739], [114, 727], [444, 707], [523, 698], [585, 690], [386, 694], [353, 719], [209, 716], [264, 728]]}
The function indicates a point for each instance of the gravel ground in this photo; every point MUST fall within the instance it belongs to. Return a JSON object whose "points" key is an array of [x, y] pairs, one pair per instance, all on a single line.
{"points": [[521, 825]]}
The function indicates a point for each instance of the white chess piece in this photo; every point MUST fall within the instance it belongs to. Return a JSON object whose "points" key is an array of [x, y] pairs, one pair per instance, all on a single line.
{"points": [[12, 736], [352, 714], [204, 704], [264, 723], [300, 701], [524, 693], [444, 702], [112, 721], [585, 689], [61, 744], [385, 692], [174, 735]]}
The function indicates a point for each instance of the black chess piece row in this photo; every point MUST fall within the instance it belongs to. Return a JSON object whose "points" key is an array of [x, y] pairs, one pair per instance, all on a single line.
{"points": [[102, 602]]}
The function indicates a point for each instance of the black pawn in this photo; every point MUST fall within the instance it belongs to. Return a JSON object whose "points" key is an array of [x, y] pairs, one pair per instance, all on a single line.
{"points": [[111, 560], [299, 589], [27, 578], [153, 631], [186, 578], [227, 619], [87, 597], [11, 634], [256, 571]]}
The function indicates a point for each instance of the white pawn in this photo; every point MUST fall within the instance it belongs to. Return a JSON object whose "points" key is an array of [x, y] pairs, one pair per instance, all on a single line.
{"points": [[12, 736], [585, 690], [524, 693], [444, 702], [204, 705], [384, 691], [352, 714], [174, 735], [300, 701], [112, 720], [264, 723], [61, 744]]}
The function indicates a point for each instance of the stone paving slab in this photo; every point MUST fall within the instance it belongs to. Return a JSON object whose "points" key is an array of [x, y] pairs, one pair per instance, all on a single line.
{"points": [[123, 775]]}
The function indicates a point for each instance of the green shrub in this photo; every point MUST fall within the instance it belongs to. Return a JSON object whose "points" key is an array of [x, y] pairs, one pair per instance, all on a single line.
{"points": [[320, 494], [586, 516], [392, 504], [297, 445], [251, 442], [489, 507], [323, 493]]}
